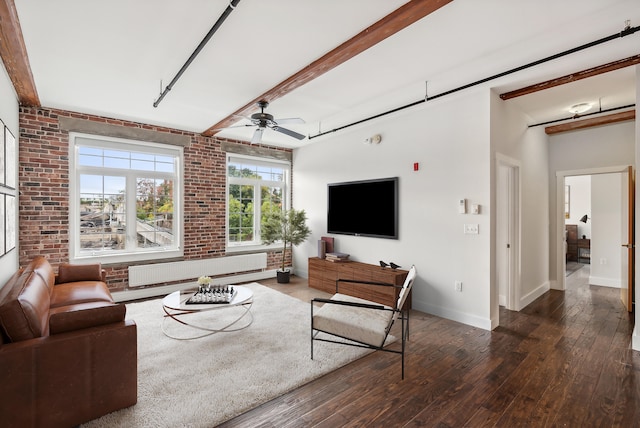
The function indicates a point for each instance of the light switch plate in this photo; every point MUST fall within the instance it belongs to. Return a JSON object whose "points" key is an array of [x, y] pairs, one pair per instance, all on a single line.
{"points": [[462, 206]]}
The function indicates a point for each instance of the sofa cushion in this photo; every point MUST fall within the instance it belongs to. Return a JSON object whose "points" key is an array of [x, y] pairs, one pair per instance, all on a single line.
{"points": [[84, 315], [73, 273], [73, 293], [24, 311]]}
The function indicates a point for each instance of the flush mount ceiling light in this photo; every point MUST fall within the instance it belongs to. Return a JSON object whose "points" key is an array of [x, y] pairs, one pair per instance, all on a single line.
{"points": [[580, 108]]}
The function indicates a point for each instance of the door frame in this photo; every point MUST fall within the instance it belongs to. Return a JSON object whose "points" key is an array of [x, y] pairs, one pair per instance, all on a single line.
{"points": [[561, 263], [512, 231]]}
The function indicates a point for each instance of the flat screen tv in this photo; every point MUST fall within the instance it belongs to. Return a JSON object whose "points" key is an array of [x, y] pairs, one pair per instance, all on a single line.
{"points": [[364, 208]]}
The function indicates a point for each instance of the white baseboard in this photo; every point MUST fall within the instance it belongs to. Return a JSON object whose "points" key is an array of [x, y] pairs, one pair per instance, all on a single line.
{"points": [[605, 282], [163, 290], [533, 295], [464, 318]]}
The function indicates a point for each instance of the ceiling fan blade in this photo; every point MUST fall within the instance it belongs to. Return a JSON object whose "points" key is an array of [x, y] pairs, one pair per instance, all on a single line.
{"points": [[289, 132], [257, 136], [290, 120]]}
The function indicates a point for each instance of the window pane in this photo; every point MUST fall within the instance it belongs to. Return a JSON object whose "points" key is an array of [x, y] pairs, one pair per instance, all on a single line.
{"points": [[154, 212], [165, 166], [88, 160], [116, 163], [141, 165], [240, 213], [102, 213], [271, 200]]}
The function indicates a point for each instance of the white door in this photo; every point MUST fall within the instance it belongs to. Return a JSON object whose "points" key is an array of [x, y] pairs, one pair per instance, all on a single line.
{"points": [[506, 245], [627, 238]]}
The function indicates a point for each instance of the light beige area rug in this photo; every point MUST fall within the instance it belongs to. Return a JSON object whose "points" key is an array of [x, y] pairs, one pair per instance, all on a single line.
{"points": [[203, 382]]}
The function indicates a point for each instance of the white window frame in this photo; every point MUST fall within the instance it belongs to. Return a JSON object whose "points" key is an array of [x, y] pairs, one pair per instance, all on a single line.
{"points": [[133, 253], [256, 245]]}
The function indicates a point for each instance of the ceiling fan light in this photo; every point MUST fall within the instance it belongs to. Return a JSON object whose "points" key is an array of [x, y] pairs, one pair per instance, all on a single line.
{"points": [[580, 108]]}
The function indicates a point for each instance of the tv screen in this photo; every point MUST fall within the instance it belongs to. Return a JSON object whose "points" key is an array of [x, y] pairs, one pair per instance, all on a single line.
{"points": [[364, 208]]}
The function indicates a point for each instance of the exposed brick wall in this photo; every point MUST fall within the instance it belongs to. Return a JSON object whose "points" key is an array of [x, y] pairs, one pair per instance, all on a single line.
{"points": [[44, 192]]}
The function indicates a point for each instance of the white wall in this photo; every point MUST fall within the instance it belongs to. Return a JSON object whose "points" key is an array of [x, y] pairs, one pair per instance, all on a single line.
{"points": [[606, 227], [9, 115], [449, 138], [579, 203], [511, 137]]}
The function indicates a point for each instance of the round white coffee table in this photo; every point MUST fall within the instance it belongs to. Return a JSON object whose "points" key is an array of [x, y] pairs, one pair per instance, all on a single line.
{"points": [[176, 309]]}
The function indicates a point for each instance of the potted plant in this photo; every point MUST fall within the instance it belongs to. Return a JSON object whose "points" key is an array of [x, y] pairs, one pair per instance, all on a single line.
{"points": [[288, 227]]}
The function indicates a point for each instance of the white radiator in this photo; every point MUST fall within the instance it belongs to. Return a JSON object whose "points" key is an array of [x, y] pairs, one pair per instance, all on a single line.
{"points": [[177, 271]]}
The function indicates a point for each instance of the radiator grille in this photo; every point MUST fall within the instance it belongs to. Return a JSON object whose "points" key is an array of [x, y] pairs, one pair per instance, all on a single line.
{"points": [[177, 271]]}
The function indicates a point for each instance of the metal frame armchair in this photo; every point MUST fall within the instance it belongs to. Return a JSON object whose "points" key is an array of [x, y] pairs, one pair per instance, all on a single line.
{"points": [[361, 322]]}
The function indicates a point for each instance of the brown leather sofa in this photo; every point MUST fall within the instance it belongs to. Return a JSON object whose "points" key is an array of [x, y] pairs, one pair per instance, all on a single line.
{"points": [[67, 354]]}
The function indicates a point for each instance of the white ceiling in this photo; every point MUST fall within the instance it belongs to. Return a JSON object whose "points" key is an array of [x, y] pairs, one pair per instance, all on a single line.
{"points": [[109, 58]]}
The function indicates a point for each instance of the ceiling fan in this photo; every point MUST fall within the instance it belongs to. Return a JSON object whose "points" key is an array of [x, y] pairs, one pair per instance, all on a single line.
{"points": [[264, 120]]}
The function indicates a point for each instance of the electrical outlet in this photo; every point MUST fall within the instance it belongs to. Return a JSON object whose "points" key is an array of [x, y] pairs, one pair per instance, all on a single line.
{"points": [[471, 229], [459, 286]]}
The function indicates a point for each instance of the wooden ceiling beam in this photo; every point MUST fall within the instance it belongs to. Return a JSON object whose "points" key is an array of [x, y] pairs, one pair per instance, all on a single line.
{"points": [[14, 55], [589, 123], [605, 68], [397, 20]]}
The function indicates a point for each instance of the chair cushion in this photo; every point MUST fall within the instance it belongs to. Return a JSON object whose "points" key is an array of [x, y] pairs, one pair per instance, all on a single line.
{"points": [[359, 324]]}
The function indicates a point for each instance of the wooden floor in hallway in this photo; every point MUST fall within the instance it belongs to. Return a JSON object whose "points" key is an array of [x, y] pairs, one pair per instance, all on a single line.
{"points": [[564, 361]]}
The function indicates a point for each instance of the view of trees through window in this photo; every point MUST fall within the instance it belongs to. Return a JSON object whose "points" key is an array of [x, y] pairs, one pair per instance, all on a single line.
{"points": [[254, 190], [154, 212]]}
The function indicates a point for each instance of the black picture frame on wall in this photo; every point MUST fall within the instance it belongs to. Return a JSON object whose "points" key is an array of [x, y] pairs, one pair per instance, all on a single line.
{"points": [[3, 249], [10, 154], [2, 155], [10, 223]]}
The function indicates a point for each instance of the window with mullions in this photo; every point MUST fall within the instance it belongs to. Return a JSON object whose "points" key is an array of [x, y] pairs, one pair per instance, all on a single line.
{"points": [[125, 203], [254, 186]]}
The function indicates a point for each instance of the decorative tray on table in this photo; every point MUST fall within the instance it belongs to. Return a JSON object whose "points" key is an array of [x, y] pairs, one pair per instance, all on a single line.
{"points": [[212, 295]]}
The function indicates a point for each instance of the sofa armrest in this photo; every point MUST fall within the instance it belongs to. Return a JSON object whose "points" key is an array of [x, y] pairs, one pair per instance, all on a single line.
{"points": [[85, 315], [70, 378]]}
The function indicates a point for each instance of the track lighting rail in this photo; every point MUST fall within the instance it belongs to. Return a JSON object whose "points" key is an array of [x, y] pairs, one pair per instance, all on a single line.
{"points": [[212, 31], [628, 30]]}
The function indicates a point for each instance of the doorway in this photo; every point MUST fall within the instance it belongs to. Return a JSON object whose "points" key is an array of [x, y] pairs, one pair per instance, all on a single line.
{"points": [[596, 230]]}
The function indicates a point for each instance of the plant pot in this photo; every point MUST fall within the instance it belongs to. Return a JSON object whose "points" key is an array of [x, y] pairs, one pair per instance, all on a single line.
{"points": [[283, 276]]}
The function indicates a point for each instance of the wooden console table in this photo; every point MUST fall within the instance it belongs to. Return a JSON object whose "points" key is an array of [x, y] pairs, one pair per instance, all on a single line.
{"points": [[324, 273], [584, 251]]}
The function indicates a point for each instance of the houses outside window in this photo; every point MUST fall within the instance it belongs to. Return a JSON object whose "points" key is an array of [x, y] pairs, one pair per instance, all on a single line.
{"points": [[126, 199]]}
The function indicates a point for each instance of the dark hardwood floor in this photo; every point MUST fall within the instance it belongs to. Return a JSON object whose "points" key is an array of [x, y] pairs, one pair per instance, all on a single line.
{"points": [[565, 360]]}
